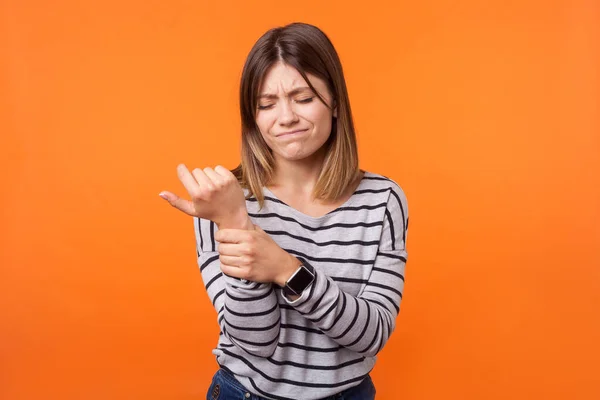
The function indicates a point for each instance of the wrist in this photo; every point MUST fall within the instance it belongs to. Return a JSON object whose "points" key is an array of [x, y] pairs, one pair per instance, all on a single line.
{"points": [[241, 221], [288, 270]]}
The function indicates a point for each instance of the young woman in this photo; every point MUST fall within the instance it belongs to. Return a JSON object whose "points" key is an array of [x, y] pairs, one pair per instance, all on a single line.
{"points": [[302, 253]]}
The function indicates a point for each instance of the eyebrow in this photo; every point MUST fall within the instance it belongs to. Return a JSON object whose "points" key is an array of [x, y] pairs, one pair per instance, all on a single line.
{"points": [[290, 93]]}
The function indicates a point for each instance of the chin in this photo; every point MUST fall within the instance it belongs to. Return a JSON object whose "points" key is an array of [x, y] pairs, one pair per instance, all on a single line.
{"points": [[295, 157], [299, 154]]}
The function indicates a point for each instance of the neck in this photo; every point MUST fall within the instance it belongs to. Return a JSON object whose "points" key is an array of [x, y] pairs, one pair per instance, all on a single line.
{"points": [[298, 176]]}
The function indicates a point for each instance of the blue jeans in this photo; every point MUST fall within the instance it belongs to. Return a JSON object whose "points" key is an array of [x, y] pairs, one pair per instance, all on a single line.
{"points": [[224, 386]]}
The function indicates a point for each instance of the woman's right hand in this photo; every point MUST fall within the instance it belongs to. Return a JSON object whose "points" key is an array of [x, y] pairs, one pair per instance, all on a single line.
{"points": [[215, 195]]}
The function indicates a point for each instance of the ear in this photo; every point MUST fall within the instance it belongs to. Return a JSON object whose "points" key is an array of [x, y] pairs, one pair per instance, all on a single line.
{"points": [[335, 108]]}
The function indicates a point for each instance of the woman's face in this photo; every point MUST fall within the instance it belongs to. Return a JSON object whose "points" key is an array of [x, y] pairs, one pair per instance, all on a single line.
{"points": [[291, 118]]}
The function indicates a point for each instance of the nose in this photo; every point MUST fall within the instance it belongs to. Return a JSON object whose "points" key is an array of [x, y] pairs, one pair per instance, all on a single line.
{"points": [[287, 115]]}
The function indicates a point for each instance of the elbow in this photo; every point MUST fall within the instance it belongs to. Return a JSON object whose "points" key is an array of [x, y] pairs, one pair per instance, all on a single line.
{"points": [[380, 339], [373, 350], [260, 341]]}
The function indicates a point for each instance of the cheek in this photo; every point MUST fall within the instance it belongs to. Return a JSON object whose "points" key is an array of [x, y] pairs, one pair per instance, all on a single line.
{"points": [[264, 125], [266, 119], [322, 120]]}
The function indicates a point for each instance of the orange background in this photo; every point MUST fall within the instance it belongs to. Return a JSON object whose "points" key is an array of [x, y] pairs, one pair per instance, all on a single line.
{"points": [[486, 113]]}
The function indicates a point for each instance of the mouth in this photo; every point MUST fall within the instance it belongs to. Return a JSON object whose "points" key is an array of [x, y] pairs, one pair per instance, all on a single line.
{"points": [[291, 133]]}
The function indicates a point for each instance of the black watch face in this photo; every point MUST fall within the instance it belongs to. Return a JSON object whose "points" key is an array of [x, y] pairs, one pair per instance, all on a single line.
{"points": [[301, 280]]}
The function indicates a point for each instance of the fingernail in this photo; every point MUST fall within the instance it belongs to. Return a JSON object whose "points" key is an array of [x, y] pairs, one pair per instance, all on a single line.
{"points": [[164, 196]]}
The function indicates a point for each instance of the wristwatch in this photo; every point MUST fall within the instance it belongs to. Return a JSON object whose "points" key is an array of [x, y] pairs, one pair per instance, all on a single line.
{"points": [[300, 280]]}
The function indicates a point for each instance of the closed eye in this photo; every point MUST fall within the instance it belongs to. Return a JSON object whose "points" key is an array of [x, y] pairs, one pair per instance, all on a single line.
{"points": [[302, 101]]}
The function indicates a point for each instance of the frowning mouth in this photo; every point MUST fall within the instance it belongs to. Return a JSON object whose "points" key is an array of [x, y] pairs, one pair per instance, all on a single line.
{"points": [[291, 133]]}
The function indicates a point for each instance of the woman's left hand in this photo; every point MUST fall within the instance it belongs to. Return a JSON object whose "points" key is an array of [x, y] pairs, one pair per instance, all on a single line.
{"points": [[254, 256]]}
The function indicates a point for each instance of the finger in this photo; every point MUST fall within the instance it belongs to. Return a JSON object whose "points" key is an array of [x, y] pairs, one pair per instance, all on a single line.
{"points": [[181, 204], [224, 172], [203, 180], [233, 271], [189, 182], [231, 235], [231, 261], [213, 176], [231, 249]]}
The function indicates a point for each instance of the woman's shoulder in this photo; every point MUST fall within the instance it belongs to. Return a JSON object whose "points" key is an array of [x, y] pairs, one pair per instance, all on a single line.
{"points": [[397, 203], [376, 180]]}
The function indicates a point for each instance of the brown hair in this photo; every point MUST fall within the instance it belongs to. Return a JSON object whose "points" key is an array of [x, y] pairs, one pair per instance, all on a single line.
{"points": [[307, 49]]}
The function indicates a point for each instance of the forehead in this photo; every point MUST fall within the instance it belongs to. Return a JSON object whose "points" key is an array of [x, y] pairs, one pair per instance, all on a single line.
{"points": [[284, 77]]}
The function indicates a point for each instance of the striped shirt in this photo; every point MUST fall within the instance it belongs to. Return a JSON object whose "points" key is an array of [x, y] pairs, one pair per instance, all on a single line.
{"points": [[327, 340]]}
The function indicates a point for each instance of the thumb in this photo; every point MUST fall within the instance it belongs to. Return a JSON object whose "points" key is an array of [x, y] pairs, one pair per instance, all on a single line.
{"points": [[183, 205]]}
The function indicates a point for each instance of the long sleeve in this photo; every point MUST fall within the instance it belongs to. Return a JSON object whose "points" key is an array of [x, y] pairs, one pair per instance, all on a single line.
{"points": [[365, 322], [247, 312]]}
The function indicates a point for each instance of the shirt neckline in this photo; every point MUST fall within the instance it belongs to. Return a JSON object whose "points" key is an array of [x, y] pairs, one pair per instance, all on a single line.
{"points": [[319, 218]]}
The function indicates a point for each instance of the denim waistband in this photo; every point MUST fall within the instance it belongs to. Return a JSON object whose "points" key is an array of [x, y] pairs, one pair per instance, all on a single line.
{"points": [[230, 378]]}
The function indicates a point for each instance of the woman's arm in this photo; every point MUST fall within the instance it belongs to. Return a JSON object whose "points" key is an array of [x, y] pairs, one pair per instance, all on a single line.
{"points": [[362, 323], [247, 312], [365, 322]]}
